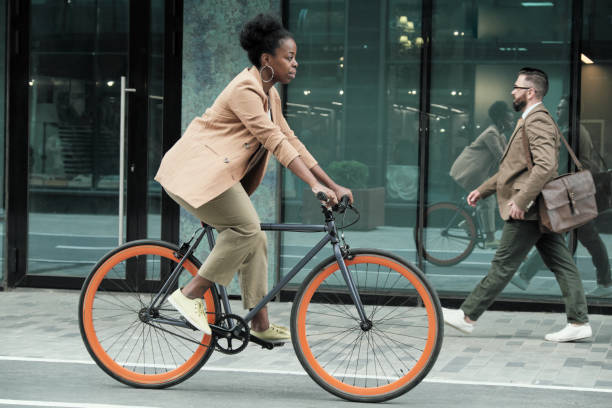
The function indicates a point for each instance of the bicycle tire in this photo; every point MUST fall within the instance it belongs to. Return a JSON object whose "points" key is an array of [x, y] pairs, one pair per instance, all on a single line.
{"points": [[328, 340], [139, 354], [449, 234]]}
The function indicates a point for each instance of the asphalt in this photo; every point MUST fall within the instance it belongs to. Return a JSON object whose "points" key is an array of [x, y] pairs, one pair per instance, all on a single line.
{"points": [[506, 349]]}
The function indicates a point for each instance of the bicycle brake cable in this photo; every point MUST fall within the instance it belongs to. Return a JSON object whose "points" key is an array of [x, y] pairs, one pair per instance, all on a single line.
{"points": [[345, 247], [344, 215]]}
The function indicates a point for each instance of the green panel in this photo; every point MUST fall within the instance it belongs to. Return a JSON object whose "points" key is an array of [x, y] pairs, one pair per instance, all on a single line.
{"points": [[212, 56]]}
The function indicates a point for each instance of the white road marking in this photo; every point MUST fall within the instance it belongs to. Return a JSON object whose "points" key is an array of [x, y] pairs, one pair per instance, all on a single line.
{"points": [[64, 404], [84, 247], [515, 385], [432, 380]]}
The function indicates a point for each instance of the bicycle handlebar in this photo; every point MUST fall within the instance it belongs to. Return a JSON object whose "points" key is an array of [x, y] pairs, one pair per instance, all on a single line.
{"points": [[340, 207]]}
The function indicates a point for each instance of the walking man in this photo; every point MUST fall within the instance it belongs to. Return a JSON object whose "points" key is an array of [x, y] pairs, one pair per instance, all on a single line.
{"points": [[517, 189]]}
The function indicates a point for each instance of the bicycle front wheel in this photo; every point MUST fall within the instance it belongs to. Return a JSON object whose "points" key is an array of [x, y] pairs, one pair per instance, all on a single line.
{"points": [[375, 364], [449, 235], [121, 340]]}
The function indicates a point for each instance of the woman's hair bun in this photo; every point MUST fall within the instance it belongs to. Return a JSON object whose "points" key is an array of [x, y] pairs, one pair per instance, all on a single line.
{"points": [[262, 34]]}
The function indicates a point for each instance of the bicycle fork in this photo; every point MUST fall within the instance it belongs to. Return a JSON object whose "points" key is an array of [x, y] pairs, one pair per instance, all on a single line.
{"points": [[365, 323]]}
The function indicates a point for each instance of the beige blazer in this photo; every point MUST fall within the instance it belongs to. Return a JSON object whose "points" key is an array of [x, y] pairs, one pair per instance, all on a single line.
{"points": [[480, 159], [218, 147], [513, 180]]}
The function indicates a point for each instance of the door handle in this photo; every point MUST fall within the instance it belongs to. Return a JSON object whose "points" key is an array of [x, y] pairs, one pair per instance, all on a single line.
{"points": [[124, 91]]}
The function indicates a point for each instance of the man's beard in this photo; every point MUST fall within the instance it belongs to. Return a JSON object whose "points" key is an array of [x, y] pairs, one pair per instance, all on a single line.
{"points": [[518, 105]]}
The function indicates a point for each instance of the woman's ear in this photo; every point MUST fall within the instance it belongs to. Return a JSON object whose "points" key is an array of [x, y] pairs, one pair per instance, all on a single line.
{"points": [[265, 59]]}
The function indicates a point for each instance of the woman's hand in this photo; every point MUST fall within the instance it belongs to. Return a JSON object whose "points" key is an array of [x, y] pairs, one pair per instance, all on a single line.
{"points": [[332, 198], [343, 191]]}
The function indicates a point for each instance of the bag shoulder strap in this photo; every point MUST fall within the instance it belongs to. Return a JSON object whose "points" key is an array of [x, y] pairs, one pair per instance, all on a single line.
{"points": [[528, 152]]}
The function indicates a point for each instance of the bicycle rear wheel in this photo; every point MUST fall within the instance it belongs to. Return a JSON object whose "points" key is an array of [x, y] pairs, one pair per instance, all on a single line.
{"points": [[372, 365], [449, 235], [119, 338]]}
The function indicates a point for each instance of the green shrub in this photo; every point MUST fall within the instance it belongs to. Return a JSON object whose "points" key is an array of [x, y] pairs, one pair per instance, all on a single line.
{"points": [[349, 173]]}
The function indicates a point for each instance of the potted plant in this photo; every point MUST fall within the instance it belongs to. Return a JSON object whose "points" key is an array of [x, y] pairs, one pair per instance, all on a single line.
{"points": [[369, 200]]}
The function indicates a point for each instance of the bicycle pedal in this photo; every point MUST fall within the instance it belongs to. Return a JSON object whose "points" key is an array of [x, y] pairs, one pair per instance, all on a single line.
{"points": [[269, 345]]}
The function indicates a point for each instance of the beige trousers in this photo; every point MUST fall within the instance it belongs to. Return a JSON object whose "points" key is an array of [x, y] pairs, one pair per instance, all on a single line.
{"points": [[241, 244]]}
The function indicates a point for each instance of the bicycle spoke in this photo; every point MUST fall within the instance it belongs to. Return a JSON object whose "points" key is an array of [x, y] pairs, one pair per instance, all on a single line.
{"points": [[383, 335], [123, 327], [370, 358]]}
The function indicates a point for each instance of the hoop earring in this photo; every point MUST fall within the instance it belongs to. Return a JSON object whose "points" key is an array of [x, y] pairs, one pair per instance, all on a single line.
{"points": [[261, 73]]}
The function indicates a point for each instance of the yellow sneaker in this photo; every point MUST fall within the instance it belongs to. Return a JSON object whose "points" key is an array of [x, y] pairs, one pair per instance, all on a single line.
{"points": [[273, 334], [191, 309], [282, 328]]}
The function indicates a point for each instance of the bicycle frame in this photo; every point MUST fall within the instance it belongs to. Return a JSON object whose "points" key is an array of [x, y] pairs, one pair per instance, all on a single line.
{"points": [[331, 236]]}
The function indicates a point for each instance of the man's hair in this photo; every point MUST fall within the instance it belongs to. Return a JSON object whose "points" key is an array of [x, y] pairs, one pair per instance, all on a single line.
{"points": [[537, 78], [498, 111]]}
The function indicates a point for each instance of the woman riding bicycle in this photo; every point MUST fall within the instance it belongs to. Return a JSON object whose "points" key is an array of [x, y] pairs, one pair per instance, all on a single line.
{"points": [[220, 161]]}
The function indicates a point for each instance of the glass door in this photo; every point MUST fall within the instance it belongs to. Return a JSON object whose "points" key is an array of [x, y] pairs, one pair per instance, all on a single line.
{"points": [[80, 205]]}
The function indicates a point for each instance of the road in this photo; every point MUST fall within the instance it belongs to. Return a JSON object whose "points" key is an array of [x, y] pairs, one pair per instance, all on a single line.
{"points": [[69, 384]]}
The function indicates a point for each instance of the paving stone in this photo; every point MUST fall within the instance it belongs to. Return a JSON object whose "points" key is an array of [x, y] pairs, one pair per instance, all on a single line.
{"points": [[505, 347]]}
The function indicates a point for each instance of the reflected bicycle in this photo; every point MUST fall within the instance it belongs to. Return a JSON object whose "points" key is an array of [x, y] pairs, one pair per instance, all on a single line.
{"points": [[365, 324], [453, 230]]}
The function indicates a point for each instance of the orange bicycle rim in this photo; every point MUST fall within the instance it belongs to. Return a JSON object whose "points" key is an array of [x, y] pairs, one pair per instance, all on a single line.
{"points": [[90, 331], [368, 391]]}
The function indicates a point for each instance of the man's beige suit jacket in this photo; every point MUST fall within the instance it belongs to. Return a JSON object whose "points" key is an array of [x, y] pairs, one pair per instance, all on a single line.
{"points": [[217, 148], [513, 180]]}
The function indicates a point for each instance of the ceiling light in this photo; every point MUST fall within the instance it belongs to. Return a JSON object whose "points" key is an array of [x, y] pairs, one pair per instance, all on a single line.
{"points": [[537, 4], [585, 59]]}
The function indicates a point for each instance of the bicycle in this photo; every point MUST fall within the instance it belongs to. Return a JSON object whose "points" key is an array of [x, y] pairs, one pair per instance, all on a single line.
{"points": [[365, 324], [452, 231]]}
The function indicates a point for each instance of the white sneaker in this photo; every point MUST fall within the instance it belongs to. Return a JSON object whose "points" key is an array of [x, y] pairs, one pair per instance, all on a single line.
{"points": [[571, 332], [456, 319], [191, 309], [601, 291]]}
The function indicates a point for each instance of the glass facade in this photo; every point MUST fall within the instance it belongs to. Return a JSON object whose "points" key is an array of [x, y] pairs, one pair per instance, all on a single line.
{"points": [[156, 117], [388, 96], [477, 50], [3, 11], [356, 104], [78, 53], [595, 241]]}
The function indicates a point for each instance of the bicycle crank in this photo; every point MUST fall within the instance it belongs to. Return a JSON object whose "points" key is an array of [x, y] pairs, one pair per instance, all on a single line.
{"points": [[232, 334]]}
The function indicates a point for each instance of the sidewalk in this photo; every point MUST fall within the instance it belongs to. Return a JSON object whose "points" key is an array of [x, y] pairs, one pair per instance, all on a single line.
{"points": [[506, 348]]}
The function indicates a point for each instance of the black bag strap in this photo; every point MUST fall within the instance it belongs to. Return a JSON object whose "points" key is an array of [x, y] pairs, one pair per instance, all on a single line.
{"points": [[528, 152]]}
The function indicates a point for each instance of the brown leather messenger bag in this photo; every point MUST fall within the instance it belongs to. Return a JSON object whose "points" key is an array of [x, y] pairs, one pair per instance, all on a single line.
{"points": [[567, 201]]}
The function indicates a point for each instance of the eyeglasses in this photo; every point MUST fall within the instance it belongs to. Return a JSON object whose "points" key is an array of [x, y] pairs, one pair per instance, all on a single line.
{"points": [[521, 87]]}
